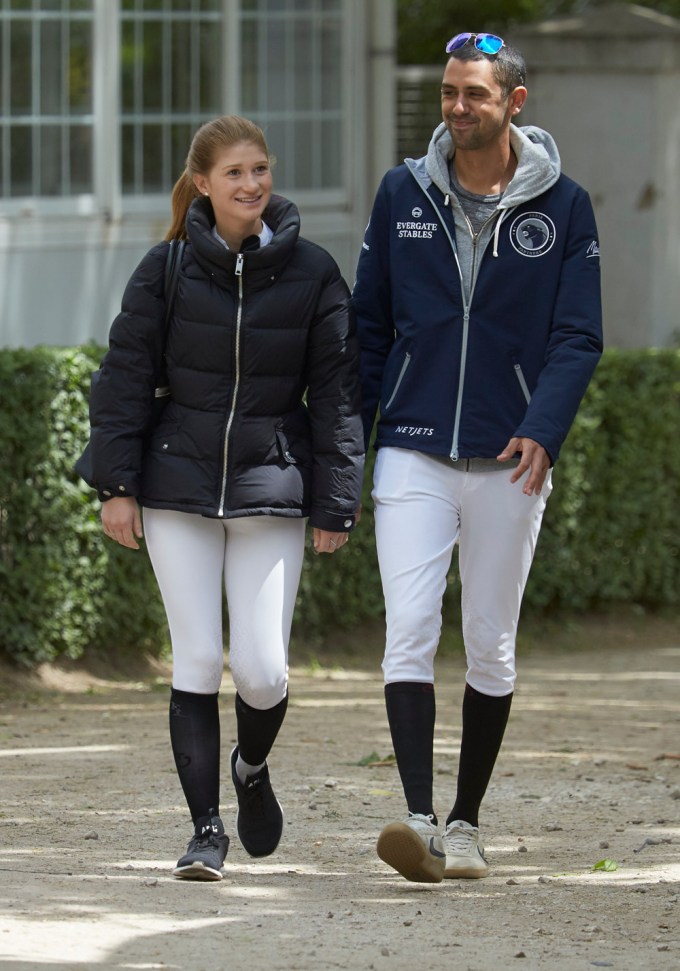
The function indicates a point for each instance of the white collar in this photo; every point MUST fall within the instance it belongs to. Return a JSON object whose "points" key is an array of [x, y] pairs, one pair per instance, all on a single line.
{"points": [[265, 236]]}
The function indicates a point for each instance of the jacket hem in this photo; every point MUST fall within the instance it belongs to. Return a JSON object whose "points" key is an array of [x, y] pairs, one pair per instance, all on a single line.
{"points": [[211, 512]]}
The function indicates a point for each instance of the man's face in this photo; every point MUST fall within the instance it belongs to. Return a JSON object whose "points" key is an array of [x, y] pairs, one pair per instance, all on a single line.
{"points": [[474, 108]]}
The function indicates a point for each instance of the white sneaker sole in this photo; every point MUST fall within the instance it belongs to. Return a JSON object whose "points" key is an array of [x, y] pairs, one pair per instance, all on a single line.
{"points": [[466, 871], [403, 849], [197, 871]]}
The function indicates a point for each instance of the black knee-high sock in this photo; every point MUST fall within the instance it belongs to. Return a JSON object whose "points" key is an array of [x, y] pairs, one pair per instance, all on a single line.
{"points": [[256, 729], [484, 721], [195, 740], [411, 714]]}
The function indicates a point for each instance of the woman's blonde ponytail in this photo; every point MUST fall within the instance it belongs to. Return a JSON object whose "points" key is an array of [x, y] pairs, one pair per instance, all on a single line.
{"points": [[183, 194]]}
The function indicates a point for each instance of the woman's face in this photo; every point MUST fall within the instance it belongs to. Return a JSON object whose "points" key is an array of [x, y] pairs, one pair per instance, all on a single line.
{"points": [[240, 186]]}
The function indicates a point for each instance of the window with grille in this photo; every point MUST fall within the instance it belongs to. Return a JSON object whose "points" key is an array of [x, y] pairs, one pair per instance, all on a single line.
{"points": [[292, 85], [181, 63], [171, 82], [46, 109]]}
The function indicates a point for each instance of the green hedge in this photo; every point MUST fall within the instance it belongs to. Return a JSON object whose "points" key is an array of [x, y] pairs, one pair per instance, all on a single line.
{"points": [[64, 587], [610, 534], [611, 527], [50, 568]]}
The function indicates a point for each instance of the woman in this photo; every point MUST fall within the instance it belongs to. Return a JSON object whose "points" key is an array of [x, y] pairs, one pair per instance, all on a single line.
{"points": [[261, 431]]}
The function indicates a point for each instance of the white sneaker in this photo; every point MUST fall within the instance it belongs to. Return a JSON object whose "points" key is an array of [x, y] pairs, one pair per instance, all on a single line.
{"points": [[464, 852], [414, 848]]}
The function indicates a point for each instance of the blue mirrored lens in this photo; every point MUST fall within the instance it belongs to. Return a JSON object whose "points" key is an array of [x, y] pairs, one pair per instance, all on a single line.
{"points": [[488, 43], [458, 41]]}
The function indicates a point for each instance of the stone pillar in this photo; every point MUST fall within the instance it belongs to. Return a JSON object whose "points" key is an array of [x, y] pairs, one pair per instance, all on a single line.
{"points": [[606, 85]]}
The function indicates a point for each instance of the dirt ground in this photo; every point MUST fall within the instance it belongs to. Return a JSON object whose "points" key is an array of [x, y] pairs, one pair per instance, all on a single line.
{"points": [[92, 821]]}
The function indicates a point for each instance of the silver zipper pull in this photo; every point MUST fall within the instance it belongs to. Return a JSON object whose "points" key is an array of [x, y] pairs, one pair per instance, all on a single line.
{"points": [[239, 265]]}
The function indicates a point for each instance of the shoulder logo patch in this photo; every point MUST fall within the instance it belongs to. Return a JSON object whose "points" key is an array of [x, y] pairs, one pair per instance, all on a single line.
{"points": [[593, 249], [532, 234]]}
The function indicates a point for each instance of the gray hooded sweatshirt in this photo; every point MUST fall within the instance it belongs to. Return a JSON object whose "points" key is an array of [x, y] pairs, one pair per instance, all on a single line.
{"points": [[538, 168]]}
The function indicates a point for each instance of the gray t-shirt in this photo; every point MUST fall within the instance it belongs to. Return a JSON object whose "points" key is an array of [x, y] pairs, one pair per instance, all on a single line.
{"points": [[471, 214], [477, 208]]}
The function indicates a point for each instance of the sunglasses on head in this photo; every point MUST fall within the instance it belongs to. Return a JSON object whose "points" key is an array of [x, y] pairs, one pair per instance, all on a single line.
{"points": [[486, 43]]}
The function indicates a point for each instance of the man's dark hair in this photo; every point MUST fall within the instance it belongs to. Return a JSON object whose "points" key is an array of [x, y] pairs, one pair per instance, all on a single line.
{"points": [[509, 67]]}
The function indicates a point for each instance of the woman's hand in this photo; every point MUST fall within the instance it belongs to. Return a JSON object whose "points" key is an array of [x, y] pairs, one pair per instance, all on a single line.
{"points": [[122, 521], [325, 542]]}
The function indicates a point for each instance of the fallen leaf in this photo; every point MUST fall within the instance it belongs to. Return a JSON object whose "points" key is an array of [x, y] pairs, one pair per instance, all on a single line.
{"points": [[607, 865], [375, 759], [367, 759]]}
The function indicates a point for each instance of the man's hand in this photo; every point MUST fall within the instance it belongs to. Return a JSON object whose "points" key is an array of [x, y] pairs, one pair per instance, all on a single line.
{"points": [[122, 521], [534, 457]]}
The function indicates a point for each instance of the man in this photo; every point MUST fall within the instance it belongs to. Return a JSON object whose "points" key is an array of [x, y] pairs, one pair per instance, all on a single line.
{"points": [[478, 299]]}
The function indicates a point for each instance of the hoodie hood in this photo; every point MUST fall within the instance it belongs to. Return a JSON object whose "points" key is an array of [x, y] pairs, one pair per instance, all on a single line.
{"points": [[538, 163]]}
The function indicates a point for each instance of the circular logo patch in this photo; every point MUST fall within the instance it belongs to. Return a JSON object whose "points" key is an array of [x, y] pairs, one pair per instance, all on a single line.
{"points": [[417, 212], [532, 234]]}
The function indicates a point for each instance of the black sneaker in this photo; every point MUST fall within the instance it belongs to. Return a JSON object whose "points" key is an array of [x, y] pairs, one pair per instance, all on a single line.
{"points": [[206, 851], [260, 819]]}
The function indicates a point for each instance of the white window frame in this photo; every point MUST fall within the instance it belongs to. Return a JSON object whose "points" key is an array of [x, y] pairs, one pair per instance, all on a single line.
{"points": [[107, 199], [82, 204]]}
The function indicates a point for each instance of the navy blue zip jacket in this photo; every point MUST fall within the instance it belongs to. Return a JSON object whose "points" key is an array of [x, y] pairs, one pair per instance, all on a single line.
{"points": [[460, 357]]}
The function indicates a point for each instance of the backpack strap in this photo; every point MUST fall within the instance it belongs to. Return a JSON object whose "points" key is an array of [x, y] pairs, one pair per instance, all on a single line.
{"points": [[172, 265]]}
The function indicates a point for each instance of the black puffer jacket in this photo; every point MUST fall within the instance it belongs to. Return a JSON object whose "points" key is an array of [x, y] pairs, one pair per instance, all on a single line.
{"points": [[261, 354]]}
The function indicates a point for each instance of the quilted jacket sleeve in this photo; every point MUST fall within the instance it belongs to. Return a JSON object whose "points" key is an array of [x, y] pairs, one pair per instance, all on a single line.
{"points": [[121, 399], [334, 407]]}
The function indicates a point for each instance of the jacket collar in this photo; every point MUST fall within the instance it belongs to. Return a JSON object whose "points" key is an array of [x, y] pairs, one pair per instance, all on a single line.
{"points": [[262, 264]]}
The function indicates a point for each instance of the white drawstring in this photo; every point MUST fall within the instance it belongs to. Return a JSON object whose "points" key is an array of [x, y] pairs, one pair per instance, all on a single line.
{"points": [[497, 232], [446, 199]]}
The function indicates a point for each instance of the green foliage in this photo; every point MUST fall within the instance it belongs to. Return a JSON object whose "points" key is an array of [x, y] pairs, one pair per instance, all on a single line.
{"points": [[610, 533], [606, 866], [609, 536], [424, 26], [64, 586], [48, 546]]}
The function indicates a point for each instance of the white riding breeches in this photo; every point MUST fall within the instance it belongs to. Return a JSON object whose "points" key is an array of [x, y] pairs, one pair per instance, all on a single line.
{"points": [[260, 559], [423, 506]]}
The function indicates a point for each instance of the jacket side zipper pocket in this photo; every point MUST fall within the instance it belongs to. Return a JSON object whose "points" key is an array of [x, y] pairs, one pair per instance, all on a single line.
{"points": [[285, 450], [404, 366], [522, 382]]}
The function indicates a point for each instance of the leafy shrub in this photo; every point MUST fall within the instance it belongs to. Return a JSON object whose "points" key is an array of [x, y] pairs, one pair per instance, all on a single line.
{"points": [[64, 587], [49, 549], [611, 526], [609, 536]]}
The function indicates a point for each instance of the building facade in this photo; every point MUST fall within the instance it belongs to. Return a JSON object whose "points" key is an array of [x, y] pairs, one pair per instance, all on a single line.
{"points": [[98, 103], [605, 83]]}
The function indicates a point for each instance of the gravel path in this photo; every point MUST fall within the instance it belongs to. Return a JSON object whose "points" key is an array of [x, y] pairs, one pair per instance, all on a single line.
{"points": [[92, 821]]}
